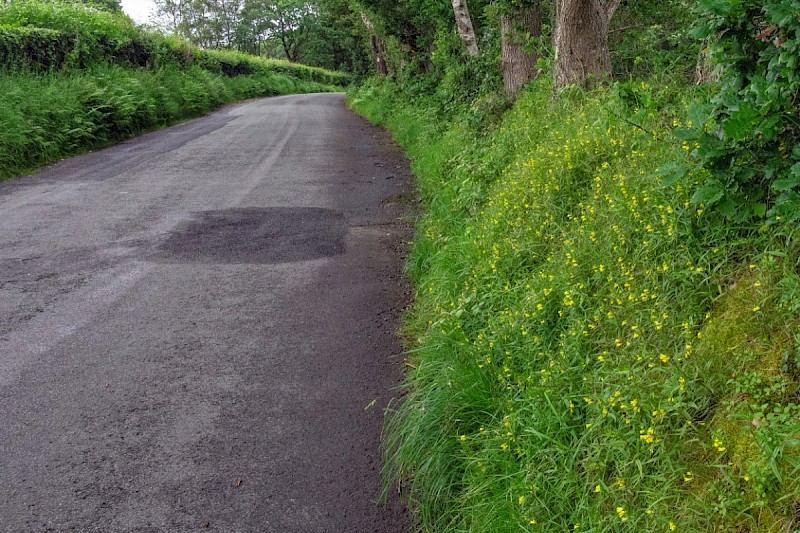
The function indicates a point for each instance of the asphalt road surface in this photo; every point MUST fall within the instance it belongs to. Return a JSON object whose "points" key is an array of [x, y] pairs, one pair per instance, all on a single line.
{"points": [[198, 327]]}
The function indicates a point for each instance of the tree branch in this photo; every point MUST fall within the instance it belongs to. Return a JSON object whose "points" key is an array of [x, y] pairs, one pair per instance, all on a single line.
{"points": [[625, 28], [611, 7]]}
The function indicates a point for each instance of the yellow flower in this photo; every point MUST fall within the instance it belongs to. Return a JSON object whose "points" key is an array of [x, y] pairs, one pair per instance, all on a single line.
{"points": [[648, 435], [621, 514], [664, 357], [672, 526], [597, 488], [521, 500]]}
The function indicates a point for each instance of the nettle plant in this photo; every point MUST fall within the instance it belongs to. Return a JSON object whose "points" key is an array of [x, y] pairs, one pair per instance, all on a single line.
{"points": [[746, 137]]}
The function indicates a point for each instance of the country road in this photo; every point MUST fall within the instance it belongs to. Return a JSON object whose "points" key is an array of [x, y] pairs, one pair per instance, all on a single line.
{"points": [[198, 327]]}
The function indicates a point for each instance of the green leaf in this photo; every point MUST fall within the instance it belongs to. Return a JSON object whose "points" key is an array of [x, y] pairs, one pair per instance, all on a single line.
{"points": [[740, 124], [727, 207], [790, 181], [711, 146], [685, 134], [722, 8], [699, 114], [671, 173], [709, 193], [769, 127], [781, 13]]}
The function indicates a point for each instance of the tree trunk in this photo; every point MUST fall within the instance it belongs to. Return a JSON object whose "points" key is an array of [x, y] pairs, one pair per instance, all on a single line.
{"points": [[377, 47], [581, 42], [519, 63], [465, 29], [704, 71]]}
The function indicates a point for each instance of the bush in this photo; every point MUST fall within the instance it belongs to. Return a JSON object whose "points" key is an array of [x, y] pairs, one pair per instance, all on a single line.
{"points": [[747, 137], [55, 35], [36, 49]]}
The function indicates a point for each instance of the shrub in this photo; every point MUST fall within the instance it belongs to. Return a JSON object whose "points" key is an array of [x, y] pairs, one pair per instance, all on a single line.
{"points": [[37, 49], [747, 137]]}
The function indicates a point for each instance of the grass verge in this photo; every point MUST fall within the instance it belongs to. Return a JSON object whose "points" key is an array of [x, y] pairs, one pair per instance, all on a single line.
{"points": [[589, 351]]}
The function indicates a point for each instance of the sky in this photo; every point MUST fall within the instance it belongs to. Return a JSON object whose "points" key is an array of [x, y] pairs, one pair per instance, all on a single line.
{"points": [[138, 10]]}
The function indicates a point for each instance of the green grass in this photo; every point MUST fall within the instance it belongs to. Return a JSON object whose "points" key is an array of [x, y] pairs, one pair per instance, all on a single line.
{"points": [[46, 117], [588, 350]]}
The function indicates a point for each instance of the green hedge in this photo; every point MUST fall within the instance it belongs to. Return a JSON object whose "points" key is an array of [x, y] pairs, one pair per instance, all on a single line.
{"points": [[46, 36], [34, 48], [233, 63]]}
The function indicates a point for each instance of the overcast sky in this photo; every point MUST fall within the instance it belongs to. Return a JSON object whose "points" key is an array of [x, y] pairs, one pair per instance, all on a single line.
{"points": [[139, 10]]}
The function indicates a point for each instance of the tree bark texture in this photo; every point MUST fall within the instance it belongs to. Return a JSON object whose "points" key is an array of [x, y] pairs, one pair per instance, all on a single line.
{"points": [[519, 63], [581, 41], [465, 28], [704, 71], [381, 68]]}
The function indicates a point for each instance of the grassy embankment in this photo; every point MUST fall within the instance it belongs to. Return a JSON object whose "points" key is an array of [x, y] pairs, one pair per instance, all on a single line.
{"points": [[588, 351], [75, 78]]}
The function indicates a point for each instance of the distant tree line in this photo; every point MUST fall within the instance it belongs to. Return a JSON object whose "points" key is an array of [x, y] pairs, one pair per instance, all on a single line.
{"points": [[325, 33]]}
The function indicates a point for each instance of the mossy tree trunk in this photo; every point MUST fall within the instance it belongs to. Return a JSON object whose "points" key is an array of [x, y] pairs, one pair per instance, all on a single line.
{"points": [[519, 56], [381, 68]]}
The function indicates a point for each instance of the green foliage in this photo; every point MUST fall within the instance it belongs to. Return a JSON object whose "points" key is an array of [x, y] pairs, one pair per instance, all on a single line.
{"points": [[652, 37], [577, 324], [324, 33], [47, 117], [233, 63], [67, 17], [462, 77], [42, 36], [337, 39], [48, 35], [34, 48], [748, 136]]}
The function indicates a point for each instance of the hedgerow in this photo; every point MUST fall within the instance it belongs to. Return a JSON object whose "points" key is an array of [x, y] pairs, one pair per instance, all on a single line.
{"points": [[42, 36], [75, 78], [34, 48]]}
